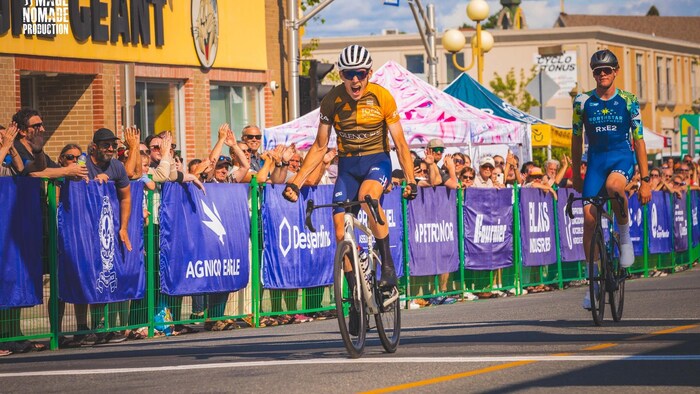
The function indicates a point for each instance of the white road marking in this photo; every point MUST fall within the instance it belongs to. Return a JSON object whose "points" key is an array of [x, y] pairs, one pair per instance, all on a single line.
{"points": [[315, 361]]}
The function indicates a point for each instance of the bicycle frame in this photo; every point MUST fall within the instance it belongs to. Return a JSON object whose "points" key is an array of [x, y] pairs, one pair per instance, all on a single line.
{"points": [[350, 224]]}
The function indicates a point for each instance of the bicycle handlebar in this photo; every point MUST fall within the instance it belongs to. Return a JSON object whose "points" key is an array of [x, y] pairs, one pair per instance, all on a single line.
{"points": [[597, 201], [373, 209]]}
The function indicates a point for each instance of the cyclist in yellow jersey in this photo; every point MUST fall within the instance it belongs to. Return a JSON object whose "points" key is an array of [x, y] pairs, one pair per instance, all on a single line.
{"points": [[363, 115]]}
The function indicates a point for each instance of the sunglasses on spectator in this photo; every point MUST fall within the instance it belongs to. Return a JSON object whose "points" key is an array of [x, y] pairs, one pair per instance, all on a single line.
{"points": [[600, 70], [224, 158], [679, 183], [36, 126], [685, 169], [252, 137], [498, 163], [107, 145], [655, 175], [68, 156], [147, 151], [350, 74], [438, 150], [155, 148], [459, 161], [467, 178]]}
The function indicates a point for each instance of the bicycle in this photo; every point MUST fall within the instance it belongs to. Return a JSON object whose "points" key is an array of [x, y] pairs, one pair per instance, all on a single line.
{"points": [[608, 275], [367, 299]]}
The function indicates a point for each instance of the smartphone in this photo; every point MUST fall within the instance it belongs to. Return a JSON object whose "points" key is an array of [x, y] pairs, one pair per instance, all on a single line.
{"points": [[500, 178]]}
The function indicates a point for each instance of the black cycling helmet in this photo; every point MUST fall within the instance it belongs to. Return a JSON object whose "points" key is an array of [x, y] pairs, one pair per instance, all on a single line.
{"points": [[604, 58], [354, 57]]}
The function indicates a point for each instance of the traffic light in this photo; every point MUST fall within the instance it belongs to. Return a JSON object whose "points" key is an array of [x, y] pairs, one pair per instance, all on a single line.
{"points": [[318, 71], [311, 90]]}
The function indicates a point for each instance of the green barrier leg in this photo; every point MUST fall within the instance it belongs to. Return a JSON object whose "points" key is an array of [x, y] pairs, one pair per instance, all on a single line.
{"points": [[255, 248], [516, 242], [406, 251], [645, 223], [53, 271], [150, 253]]}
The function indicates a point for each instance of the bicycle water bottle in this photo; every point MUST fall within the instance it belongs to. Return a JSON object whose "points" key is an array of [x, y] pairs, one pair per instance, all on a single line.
{"points": [[82, 159], [364, 266]]}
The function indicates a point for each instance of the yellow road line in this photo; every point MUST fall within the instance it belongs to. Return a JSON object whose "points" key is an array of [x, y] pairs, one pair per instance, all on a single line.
{"points": [[514, 364], [600, 347], [446, 378]]}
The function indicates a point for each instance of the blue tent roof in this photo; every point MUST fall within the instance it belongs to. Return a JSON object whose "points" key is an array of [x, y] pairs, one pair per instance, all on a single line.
{"points": [[468, 90]]}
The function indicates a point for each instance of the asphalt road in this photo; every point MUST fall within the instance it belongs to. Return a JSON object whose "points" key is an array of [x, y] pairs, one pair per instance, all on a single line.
{"points": [[533, 343]]}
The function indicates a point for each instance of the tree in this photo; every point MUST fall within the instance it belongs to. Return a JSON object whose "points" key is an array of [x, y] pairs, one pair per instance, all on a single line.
{"points": [[512, 90], [653, 11]]}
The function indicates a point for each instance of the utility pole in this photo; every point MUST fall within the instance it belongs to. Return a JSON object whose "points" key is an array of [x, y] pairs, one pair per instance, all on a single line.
{"points": [[427, 35], [293, 24]]}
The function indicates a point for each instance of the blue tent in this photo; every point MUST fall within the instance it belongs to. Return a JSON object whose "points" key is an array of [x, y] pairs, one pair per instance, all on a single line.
{"points": [[468, 90]]}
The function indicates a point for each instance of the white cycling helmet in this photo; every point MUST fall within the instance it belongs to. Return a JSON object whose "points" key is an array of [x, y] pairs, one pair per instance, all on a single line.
{"points": [[354, 57]]}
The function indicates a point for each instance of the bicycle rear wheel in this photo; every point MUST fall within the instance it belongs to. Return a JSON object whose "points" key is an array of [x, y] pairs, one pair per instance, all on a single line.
{"points": [[616, 282], [596, 277], [388, 322], [345, 301]]}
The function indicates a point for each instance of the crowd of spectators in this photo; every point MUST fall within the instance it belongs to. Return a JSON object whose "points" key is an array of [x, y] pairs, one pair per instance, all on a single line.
{"points": [[155, 159]]}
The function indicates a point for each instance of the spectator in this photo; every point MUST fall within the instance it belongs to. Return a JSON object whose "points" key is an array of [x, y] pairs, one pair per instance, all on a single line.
{"points": [[102, 166], [483, 178], [12, 164], [467, 160], [253, 139], [513, 176], [498, 161], [466, 177], [433, 154], [655, 179], [132, 160], [535, 179], [498, 177], [420, 169], [29, 144]]}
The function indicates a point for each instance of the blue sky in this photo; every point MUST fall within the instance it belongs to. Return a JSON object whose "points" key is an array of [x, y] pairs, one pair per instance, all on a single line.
{"points": [[363, 17]]}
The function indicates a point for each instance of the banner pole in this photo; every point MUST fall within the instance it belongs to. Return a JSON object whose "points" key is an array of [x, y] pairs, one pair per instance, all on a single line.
{"points": [[150, 248], [406, 269], [516, 240], [460, 237], [255, 250], [557, 240], [53, 269], [645, 223]]}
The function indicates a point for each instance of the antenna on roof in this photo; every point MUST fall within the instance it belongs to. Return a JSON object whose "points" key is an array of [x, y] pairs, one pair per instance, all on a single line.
{"points": [[561, 5]]}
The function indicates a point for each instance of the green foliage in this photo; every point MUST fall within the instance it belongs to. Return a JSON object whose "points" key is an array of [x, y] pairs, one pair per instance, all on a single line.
{"points": [[491, 22], [306, 55], [512, 89], [308, 4], [653, 11], [539, 155]]}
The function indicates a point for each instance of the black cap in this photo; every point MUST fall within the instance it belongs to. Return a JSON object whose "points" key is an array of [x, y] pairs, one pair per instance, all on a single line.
{"points": [[104, 134]]}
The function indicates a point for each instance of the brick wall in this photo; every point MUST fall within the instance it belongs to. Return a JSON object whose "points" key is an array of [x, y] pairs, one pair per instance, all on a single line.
{"points": [[276, 36], [9, 93]]}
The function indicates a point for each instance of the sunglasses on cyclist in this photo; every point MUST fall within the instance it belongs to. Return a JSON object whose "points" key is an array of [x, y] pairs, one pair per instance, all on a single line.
{"points": [[606, 70], [350, 74]]}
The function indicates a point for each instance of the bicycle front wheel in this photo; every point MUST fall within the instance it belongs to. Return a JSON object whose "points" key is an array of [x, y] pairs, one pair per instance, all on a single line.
{"points": [[353, 329], [616, 283], [388, 322], [596, 277]]}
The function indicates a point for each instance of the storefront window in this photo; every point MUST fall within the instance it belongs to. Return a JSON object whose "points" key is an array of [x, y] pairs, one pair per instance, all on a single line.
{"points": [[238, 106], [156, 108], [452, 71]]}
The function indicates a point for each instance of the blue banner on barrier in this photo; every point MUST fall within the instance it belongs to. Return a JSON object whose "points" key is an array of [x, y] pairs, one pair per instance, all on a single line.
{"points": [[93, 264], [293, 256], [204, 238], [680, 223], [21, 242], [537, 227], [488, 228], [391, 204], [694, 205], [660, 223], [432, 219], [570, 230], [636, 222]]}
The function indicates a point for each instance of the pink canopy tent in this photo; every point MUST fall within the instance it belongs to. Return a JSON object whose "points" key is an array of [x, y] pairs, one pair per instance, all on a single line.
{"points": [[426, 112]]}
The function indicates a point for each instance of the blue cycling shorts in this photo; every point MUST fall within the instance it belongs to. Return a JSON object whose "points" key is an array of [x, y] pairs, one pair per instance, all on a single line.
{"points": [[354, 170], [601, 164]]}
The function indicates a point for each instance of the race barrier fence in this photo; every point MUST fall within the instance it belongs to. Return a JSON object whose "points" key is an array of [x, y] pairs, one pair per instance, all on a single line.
{"points": [[242, 251]]}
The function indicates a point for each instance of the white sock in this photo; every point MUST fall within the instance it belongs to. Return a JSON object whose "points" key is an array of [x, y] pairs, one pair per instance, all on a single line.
{"points": [[624, 233]]}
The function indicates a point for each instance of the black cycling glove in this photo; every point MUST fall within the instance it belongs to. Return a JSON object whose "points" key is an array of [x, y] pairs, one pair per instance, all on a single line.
{"points": [[294, 188], [414, 191]]}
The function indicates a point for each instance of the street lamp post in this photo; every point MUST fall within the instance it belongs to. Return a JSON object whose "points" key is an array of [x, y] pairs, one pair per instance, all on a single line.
{"points": [[454, 41]]}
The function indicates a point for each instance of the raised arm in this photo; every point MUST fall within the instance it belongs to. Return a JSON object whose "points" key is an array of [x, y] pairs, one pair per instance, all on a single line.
{"points": [[404, 155], [313, 159], [132, 137]]}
